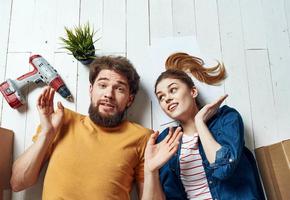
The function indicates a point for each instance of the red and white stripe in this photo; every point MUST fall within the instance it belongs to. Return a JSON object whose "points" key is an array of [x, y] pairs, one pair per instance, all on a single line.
{"points": [[192, 173]]}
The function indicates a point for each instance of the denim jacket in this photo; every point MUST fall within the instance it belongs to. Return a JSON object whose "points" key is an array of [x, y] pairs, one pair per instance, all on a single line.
{"points": [[233, 175]]}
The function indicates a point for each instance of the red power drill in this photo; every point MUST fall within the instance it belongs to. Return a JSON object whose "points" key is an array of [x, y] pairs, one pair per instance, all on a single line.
{"points": [[43, 72]]}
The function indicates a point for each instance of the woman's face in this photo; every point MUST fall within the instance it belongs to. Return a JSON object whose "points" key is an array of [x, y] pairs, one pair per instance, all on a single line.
{"points": [[176, 99]]}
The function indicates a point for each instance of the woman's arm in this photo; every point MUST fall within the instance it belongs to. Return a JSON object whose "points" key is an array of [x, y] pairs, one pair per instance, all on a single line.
{"points": [[156, 155], [210, 145], [223, 155]]}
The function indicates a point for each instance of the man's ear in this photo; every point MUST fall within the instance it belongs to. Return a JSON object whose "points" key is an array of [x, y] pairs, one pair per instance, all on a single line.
{"points": [[130, 101], [194, 92], [91, 90]]}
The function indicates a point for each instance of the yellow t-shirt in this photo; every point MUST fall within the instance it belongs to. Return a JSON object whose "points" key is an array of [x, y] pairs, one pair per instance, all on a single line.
{"points": [[90, 162]]}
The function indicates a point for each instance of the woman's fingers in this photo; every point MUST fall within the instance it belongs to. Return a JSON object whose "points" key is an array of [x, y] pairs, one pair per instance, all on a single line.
{"points": [[219, 101], [153, 137], [173, 149], [175, 142], [174, 135], [169, 135]]}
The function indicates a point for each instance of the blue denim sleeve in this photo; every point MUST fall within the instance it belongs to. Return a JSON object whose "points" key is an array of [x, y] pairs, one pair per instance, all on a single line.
{"points": [[162, 135], [231, 139]]}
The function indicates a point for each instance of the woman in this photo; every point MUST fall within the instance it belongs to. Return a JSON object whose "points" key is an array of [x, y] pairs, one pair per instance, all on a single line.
{"points": [[204, 158]]}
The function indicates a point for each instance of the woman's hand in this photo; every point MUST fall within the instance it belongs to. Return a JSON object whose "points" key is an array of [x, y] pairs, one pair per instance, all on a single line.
{"points": [[209, 110], [156, 155], [50, 119]]}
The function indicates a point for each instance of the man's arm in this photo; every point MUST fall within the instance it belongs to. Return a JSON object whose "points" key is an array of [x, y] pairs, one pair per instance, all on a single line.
{"points": [[140, 186], [26, 168]]}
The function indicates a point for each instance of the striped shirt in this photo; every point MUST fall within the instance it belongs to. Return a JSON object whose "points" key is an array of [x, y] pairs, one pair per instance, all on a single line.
{"points": [[192, 173]]}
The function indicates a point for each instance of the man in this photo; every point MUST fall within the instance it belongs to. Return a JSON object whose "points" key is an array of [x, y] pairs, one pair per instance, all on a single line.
{"points": [[90, 157]]}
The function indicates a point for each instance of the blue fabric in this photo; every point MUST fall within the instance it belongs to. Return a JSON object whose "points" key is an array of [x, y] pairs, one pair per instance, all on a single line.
{"points": [[233, 175]]}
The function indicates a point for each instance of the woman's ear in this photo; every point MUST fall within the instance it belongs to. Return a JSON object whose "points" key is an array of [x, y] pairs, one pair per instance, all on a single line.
{"points": [[194, 92]]}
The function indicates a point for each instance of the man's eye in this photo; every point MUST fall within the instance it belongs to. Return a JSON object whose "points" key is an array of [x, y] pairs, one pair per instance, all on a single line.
{"points": [[102, 85], [121, 89]]}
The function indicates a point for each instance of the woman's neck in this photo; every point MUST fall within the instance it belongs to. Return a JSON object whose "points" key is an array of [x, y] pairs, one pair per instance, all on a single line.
{"points": [[188, 125]]}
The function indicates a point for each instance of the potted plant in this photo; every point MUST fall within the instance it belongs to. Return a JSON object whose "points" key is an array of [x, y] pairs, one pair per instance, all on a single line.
{"points": [[79, 41]]}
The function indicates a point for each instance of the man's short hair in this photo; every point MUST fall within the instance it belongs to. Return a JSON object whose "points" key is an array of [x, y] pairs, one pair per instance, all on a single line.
{"points": [[120, 65]]}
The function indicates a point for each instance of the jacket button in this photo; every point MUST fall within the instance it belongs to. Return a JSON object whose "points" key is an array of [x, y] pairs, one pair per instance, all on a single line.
{"points": [[210, 182], [230, 160]]}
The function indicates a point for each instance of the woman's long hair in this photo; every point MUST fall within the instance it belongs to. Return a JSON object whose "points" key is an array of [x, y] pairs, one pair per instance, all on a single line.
{"points": [[195, 65]]}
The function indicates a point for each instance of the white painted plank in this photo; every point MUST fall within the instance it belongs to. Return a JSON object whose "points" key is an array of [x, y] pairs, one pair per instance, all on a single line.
{"points": [[92, 12], [83, 95], [114, 26], [262, 99], [67, 69], [236, 85], [138, 36], [21, 36], [67, 15], [17, 65], [5, 9], [279, 55], [160, 18], [207, 28], [287, 13], [253, 24], [183, 17], [140, 111], [43, 27], [208, 37]]}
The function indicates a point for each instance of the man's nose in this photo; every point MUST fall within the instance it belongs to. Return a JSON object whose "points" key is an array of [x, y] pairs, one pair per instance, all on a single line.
{"points": [[109, 93]]}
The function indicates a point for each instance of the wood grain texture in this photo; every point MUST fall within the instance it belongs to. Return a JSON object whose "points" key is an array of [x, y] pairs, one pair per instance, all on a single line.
{"points": [[252, 38]]}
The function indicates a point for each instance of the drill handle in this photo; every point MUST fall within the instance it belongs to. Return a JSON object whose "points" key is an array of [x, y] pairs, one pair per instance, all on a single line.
{"points": [[29, 74]]}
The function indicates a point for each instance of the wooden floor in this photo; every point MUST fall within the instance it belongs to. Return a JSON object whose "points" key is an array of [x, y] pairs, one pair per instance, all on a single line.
{"points": [[251, 37]]}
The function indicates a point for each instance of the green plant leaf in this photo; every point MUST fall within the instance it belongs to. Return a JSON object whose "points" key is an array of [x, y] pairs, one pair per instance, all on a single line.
{"points": [[79, 41]]}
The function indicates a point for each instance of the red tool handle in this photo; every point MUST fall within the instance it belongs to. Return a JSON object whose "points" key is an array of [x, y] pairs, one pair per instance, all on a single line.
{"points": [[32, 72]]}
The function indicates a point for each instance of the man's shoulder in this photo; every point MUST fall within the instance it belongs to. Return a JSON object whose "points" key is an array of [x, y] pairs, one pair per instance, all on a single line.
{"points": [[72, 115], [139, 128]]}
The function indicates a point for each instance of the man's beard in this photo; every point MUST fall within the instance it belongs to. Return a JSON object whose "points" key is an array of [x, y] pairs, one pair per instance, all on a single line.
{"points": [[105, 121]]}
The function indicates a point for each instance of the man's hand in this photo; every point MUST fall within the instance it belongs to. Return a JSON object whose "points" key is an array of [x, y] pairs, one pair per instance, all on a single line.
{"points": [[209, 110], [156, 155], [50, 119]]}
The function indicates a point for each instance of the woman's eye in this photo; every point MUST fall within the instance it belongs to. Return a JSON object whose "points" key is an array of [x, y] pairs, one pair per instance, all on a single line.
{"points": [[161, 98], [172, 90]]}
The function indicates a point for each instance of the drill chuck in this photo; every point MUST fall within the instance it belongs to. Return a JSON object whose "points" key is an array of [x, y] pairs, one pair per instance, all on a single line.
{"points": [[64, 92]]}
